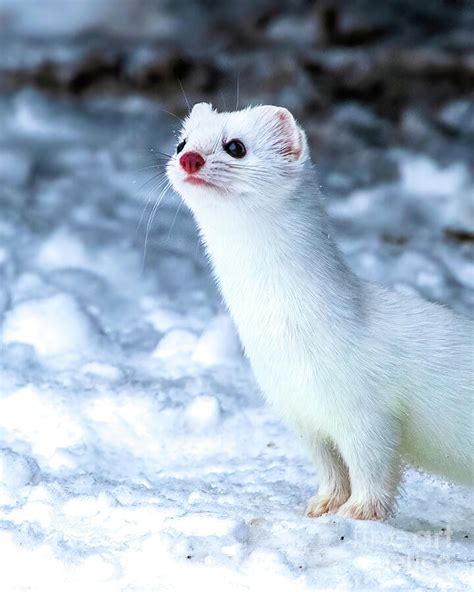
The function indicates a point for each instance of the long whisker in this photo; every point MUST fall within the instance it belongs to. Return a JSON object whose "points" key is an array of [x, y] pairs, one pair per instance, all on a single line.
{"points": [[160, 163], [216, 143], [162, 153], [184, 95], [148, 200], [151, 179], [170, 113], [220, 135], [250, 170], [151, 219], [174, 220]]}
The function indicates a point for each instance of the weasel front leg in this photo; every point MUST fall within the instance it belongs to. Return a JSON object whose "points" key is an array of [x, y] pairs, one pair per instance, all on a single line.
{"points": [[334, 487], [370, 448]]}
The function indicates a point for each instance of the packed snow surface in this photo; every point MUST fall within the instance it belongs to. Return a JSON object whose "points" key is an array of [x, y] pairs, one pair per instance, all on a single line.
{"points": [[136, 452]]}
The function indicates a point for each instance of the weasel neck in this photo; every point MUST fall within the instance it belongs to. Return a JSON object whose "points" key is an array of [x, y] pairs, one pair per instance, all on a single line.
{"points": [[281, 263]]}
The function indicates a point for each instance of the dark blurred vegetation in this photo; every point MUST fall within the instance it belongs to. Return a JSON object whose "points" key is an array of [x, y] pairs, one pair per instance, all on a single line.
{"points": [[404, 68], [311, 54]]}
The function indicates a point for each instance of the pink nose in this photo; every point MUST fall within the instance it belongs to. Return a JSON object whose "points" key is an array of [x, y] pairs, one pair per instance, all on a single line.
{"points": [[191, 162]]}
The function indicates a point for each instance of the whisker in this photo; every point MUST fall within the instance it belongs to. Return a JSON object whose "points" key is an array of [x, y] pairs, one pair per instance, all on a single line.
{"points": [[223, 168], [150, 221], [151, 179], [151, 166], [184, 95], [162, 153], [170, 113], [174, 220], [158, 186], [220, 136], [216, 143]]}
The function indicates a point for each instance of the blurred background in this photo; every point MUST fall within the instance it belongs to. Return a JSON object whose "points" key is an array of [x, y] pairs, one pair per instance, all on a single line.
{"points": [[133, 443], [91, 88]]}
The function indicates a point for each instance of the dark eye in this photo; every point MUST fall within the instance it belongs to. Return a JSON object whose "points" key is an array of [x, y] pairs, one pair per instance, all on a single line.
{"points": [[180, 146], [235, 148]]}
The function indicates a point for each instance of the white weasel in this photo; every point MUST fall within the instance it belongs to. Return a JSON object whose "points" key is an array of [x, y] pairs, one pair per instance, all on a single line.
{"points": [[369, 377]]}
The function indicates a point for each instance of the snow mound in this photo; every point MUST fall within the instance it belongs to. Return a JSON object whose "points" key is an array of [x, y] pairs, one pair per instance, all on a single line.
{"points": [[176, 343], [218, 344], [54, 326], [203, 413], [62, 250]]}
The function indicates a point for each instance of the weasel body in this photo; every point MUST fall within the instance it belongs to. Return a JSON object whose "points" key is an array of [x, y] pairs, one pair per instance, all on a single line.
{"points": [[369, 377]]}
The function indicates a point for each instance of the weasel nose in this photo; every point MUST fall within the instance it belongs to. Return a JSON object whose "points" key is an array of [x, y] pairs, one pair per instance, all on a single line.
{"points": [[191, 162]]}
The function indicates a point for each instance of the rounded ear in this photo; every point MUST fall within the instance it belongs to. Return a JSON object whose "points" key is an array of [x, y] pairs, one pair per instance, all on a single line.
{"points": [[303, 144], [291, 138], [201, 108]]}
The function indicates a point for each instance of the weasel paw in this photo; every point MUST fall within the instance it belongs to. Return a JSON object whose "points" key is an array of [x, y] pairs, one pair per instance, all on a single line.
{"points": [[363, 510], [322, 504]]}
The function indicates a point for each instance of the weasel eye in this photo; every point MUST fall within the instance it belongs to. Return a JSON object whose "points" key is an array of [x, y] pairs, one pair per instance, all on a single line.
{"points": [[235, 148], [180, 146]]}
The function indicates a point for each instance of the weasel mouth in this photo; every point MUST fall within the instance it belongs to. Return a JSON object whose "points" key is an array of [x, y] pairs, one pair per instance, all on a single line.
{"points": [[198, 181]]}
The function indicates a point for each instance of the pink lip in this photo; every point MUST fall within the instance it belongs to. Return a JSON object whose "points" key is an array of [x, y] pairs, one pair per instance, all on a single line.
{"points": [[197, 181]]}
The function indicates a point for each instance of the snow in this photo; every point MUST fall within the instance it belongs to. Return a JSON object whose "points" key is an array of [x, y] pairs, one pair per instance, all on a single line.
{"points": [[177, 342], [54, 326], [202, 413], [218, 344], [136, 452], [422, 176]]}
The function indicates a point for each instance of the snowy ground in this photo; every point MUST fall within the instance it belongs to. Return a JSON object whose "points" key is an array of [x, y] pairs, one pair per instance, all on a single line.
{"points": [[135, 450]]}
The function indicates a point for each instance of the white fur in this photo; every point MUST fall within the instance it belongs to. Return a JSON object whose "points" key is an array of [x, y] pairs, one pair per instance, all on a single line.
{"points": [[369, 377]]}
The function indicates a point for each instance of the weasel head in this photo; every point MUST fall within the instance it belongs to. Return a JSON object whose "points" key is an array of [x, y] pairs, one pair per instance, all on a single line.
{"points": [[253, 157]]}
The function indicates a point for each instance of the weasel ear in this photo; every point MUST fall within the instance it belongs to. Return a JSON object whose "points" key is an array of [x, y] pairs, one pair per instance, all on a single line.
{"points": [[290, 138], [201, 108]]}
